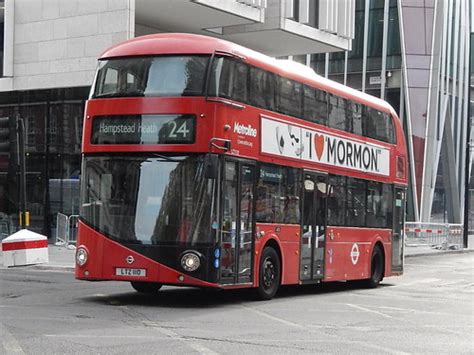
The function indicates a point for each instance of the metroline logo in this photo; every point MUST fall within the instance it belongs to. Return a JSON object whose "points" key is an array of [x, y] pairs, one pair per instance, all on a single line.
{"points": [[287, 140], [245, 130]]}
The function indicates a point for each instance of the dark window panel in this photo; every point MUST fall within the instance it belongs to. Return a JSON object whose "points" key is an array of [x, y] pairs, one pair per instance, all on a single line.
{"points": [[337, 113], [278, 195], [290, 97], [356, 202], [315, 105], [240, 82], [337, 201]]}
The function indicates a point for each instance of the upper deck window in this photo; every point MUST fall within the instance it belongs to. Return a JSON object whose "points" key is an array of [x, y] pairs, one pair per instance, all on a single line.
{"points": [[233, 79], [151, 76]]}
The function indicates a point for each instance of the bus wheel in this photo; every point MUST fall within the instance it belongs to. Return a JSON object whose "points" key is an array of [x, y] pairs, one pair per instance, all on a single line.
{"points": [[377, 268], [270, 274], [145, 287]]}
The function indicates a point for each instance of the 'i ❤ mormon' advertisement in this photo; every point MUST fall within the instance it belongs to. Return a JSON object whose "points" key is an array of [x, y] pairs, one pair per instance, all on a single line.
{"points": [[288, 140]]}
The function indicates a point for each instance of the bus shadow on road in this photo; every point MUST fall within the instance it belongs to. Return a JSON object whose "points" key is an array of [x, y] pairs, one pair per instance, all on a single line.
{"points": [[324, 288], [188, 297]]}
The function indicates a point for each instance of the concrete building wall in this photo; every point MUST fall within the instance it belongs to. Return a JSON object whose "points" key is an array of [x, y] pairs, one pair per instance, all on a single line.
{"points": [[50, 57], [56, 42]]}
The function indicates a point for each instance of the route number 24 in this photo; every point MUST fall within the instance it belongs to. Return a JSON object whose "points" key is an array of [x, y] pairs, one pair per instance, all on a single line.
{"points": [[176, 131]]}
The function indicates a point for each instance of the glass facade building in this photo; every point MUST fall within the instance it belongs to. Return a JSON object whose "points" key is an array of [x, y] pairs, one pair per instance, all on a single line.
{"points": [[53, 131], [415, 55], [48, 58]]}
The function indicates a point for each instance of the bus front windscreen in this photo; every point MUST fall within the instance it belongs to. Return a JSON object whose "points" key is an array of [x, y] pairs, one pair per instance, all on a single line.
{"points": [[151, 76], [148, 200]]}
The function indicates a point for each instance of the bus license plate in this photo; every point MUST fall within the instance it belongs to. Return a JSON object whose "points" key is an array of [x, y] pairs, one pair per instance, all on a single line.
{"points": [[125, 271]]}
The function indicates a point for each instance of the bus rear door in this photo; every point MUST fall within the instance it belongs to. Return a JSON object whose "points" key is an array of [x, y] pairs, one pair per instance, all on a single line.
{"points": [[398, 229], [313, 231]]}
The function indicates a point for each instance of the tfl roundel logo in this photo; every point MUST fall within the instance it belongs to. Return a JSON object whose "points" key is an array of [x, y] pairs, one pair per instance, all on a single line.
{"points": [[355, 253]]}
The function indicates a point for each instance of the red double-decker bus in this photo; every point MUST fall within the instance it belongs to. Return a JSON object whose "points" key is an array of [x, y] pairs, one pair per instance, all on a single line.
{"points": [[207, 164]]}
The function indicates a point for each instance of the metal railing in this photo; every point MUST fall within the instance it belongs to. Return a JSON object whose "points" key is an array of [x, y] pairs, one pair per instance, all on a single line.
{"points": [[437, 235], [66, 229]]}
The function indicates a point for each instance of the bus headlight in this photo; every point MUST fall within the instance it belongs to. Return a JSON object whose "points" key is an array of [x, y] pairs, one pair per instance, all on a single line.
{"points": [[81, 256], [190, 261]]}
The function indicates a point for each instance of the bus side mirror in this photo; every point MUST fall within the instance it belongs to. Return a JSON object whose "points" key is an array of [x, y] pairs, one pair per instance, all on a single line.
{"points": [[212, 166]]}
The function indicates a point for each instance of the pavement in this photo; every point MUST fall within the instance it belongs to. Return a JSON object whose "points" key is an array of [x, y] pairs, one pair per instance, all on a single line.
{"points": [[62, 257]]}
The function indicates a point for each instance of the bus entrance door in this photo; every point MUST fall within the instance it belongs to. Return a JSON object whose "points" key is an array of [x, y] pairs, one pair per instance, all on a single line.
{"points": [[313, 234], [237, 223]]}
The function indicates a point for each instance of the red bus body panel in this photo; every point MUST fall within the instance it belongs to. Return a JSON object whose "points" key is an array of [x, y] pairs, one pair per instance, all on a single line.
{"points": [[287, 238], [342, 263], [105, 255]]}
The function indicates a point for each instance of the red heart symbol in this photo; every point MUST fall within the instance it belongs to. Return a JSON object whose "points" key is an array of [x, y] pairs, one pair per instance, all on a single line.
{"points": [[319, 145]]}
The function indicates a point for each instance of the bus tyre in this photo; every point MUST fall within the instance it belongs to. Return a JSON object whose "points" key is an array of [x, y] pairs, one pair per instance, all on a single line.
{"points": [[376, 268], [269, 275], [145, 287]]}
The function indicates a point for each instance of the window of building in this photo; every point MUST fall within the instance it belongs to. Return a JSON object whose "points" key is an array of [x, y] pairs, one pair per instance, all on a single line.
{"points": [[354, 63], [2, 34], [375, 32], [394, 51]]}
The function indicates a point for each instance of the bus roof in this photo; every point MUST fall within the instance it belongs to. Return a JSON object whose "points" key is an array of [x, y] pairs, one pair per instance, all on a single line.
{"points": [[186, 43]]}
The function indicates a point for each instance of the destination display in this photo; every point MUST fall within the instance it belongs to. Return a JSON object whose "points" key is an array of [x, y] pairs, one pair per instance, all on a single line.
{"points": [[143, 129]]}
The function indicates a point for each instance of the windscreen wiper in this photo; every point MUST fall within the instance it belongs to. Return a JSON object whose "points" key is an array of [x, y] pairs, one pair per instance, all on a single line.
{"points": [[167, 158], [120, 94]]}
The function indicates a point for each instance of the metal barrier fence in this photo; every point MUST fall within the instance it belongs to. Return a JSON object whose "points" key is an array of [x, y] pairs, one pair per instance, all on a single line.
{"points": [[436, 235], [66, 229]]}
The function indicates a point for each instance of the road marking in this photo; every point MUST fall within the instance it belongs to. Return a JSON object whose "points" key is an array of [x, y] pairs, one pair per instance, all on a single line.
{"points": [[444, 265], [9, 343], [410, 310], [88, 336], [277, 319], [167, 334], [422, 281], [337, 340], [368, 310], [191, 342]]}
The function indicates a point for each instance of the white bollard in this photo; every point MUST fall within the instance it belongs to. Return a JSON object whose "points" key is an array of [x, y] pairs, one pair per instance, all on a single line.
{"points": [[25, 248]]}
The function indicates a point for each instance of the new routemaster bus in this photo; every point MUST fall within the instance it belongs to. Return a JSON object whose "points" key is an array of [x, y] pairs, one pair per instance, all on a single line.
{"points": [[207, 164]]}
